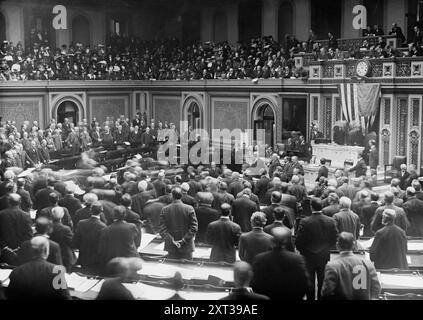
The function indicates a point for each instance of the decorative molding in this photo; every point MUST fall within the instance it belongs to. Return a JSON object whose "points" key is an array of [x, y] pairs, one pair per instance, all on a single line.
{"points": [[388, 70]]}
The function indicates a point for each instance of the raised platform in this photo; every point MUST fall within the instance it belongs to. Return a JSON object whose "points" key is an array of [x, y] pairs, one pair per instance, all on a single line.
{"points": [[336, 153]]}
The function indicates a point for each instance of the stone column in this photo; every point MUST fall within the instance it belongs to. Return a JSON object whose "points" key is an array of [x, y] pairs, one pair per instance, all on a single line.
{"points": [[232, 16], [207, 24], [14, 22], [395, 12], [302, 19], [270, 18]]}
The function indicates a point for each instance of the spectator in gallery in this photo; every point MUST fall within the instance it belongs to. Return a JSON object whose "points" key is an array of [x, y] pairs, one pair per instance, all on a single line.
{"points": [[417, 37], [389, 247], [338, 283], [397, 31], [332, 42], [378, 31]]}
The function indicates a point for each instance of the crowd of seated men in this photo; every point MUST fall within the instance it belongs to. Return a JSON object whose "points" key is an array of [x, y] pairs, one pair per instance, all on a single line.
{"points": [[274, 221]]}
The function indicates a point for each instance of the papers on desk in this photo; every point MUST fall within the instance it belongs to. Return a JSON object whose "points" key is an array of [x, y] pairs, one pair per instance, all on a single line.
{"points": [[97, 287], [201, 253], [145, 240], [159, 247], [144, 291], [366, 244], [415, 246], [4, 274], [401, 281], [79, 283]]}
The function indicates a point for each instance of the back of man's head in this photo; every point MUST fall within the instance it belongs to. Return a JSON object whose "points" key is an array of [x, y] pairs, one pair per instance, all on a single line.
{"points": [[126, 200], [43, 225], [225, 209], [53, 198], [411, 192], [281, 236], [90, 198], [276, 197], [242, 274], [374, 196], [295, 179], [14, 200], [345, 203], [176, 193], [279, 213], [258, 219], [284, 187], [184, 187], [57, 213], [316, 205], [96, 208], [40, 248], [205, 197], [395, 182], [142, 186], [346, 241], [119, 212], [416, 185]]}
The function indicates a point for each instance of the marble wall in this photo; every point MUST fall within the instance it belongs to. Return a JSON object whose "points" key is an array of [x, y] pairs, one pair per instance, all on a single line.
{"points": [[167, 109]]}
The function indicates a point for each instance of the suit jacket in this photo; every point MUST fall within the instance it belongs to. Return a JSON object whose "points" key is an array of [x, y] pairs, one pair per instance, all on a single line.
{"points": [[367, 213], [277, 224], [347, 221], [373, 158], [403, 179], [15, 227], [87, 240], [223, 235], [348, 191], [26, 202], [316, 236], [63, 235], [188, 200], [47, 212], [298, 191], [44, 154], [205, 215], [54, 256], [414, 209], [339, 279], [71, 203], [160, 187], [323, 172], [360, 168], [261, 187], [280, 275], [244, 294], [34, 155], [139, 201], [242, 209], [34, 281], [85, 213], [288, 220], [113, 289], [42, 198], [120, 239], [235, 187], [151, 213], [178, 222], [254, 242], [389, 248], [401, 219]]}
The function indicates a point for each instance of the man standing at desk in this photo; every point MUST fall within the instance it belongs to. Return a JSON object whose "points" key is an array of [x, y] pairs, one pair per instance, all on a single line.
{"points": [[178, 226], [360, 168], [389, 246]]}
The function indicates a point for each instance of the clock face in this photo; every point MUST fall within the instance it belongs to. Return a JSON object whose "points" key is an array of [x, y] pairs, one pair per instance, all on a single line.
{"points": [[362, 68]]}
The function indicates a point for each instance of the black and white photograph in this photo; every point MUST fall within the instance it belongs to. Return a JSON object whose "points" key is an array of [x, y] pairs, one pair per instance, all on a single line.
{"points": [[231, 153]]}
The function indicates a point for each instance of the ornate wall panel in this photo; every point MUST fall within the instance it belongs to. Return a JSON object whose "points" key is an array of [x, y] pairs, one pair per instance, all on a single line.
{"points": [[113, 107], [401, 137], [167, 109], [414, 131], [230, 114], [21, 109]]}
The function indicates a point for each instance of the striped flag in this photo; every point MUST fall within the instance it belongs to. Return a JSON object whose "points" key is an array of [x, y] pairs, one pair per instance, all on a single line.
{"points": [[360, 103]]}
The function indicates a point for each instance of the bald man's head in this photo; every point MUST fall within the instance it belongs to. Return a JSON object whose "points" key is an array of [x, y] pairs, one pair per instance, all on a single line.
{"points": [[281, 236], [14, 200], [57, 213], [242, 274], [40, 248]]}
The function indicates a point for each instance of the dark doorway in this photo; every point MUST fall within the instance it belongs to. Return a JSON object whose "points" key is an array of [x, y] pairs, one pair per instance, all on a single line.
{"points": [[191, 27], [326, 17], [285, 20], [249, 19], [375, 12], [67, 109], [220, 25], [194, 119], [294, 117], [2, 28], [265, 120], [81, 30]]}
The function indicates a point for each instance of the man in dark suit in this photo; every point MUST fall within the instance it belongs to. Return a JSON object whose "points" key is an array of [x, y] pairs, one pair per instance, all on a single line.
{"points": [[70, 202], [26, 202], [43, 228], [403, 175], [42, 196], [147, 140], [35, 280], [414, 209], [140, 199], [401, 219], [63, 235], [347, 220], [389, 247], [333, 206], [120, 239], [261, 186], [223, 235], [130, 216], [15, 225], [341, 272], [151, 215], [367, 213], [242, 276], [33, 153], [289, 216], [256, 241], [279, 273], [159, 184], [323, 170], [205, 215], [242, 209], [178, 226], [87, 240], [316, 236], [360, 167], [297, 190], [186, 198], [48, 211]]}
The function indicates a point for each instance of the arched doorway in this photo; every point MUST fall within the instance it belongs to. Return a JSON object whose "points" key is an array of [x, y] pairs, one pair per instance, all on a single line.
{"points": [[249, 19], [194, 116], [67, 109], [220, 24], [191, 27], [81, 30], [285, 20], [265, 120], [2, 28]]}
